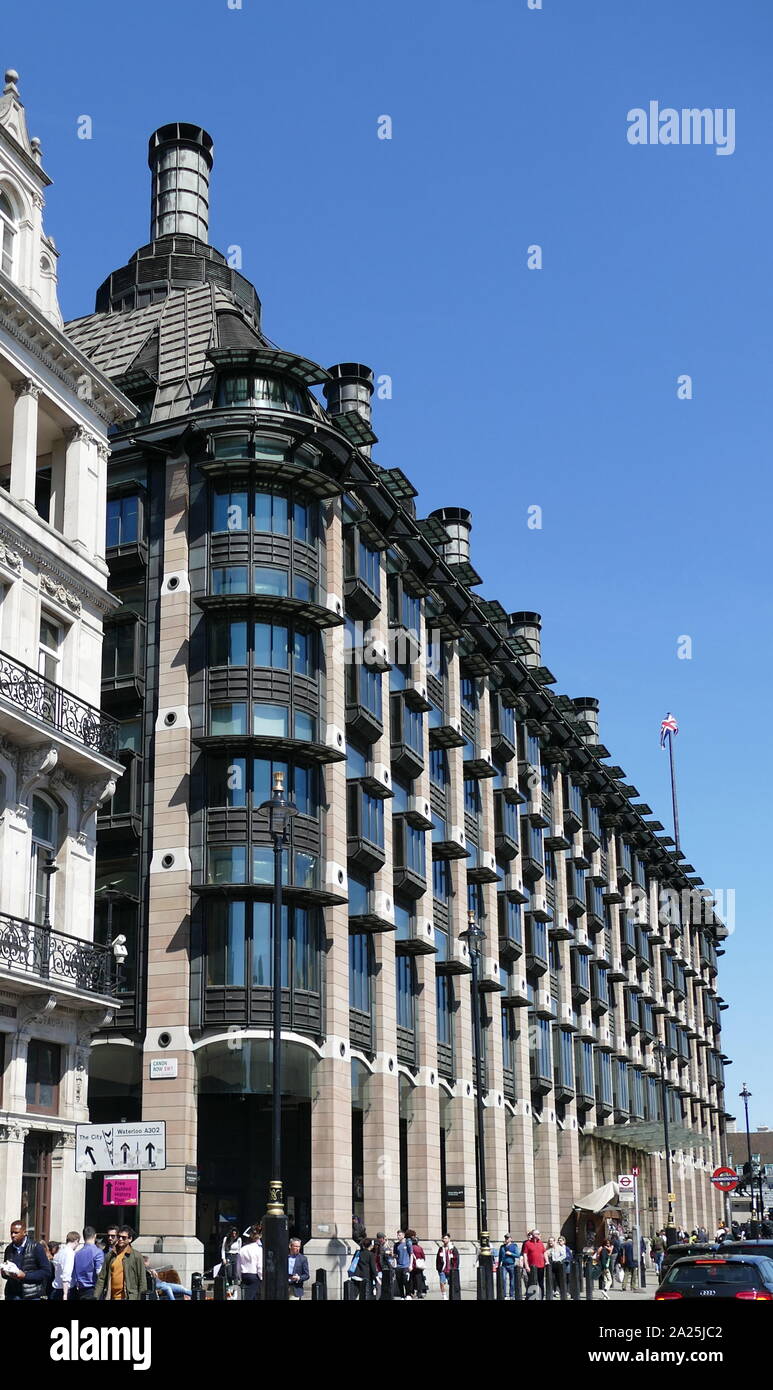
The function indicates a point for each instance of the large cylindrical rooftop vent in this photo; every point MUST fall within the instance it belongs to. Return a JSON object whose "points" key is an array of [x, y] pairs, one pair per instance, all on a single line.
{"points": [[350, 389], [528, 626], [458, 524], [588, 707], [180, 157]]}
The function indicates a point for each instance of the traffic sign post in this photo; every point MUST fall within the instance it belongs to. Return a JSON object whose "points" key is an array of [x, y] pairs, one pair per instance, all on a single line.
{"points": [[113, 1148]]}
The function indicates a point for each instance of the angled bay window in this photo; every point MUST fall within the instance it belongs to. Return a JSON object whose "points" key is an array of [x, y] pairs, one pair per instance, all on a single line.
{"points": [[576, 883], [363, 689], [563, 1045], [237, 836], [405, 981], [504, 739], [410, 858], [572, 806], [444, 1008], [532, 849], [362, 573], [247, 392], [620, 1088], [540, 1054], [505, 827], [510, 926], [584, 1077], [239, 964], [123, 653], [360, 997], [603, 1079], [124, 521], [407, 737], [365, 827]]}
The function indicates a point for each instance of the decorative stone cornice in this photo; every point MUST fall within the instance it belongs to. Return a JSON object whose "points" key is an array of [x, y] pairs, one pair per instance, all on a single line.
{"points": [[50, 585], [10, 558], [22, 546], [13, 1132]]}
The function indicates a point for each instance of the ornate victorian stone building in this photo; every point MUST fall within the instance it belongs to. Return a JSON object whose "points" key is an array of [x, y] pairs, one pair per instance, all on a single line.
{"points": [[286, 607], [58, 752]]}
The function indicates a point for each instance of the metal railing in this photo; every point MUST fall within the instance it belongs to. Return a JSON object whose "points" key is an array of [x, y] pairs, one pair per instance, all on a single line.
{"points": [[32, 694], [38, 952]]}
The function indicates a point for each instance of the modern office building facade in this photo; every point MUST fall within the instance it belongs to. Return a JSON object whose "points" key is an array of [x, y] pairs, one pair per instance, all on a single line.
{"points": [[58, 751], [286, 607]]}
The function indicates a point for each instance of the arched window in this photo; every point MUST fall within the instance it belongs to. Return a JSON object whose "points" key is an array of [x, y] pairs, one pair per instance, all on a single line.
{"points": [[7, 235], [43, 847]]}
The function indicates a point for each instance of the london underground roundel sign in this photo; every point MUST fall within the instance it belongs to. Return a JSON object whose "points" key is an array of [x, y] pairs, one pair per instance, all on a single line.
{"points": [[725, 1179]]}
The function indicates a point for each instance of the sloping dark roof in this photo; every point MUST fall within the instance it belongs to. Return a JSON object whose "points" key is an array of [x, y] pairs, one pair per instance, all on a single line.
{"points": [[233, 331]]}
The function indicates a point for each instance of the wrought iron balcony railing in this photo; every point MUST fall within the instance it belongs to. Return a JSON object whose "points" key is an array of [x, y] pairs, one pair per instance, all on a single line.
{"points": [[32, 694], [40, 953]]}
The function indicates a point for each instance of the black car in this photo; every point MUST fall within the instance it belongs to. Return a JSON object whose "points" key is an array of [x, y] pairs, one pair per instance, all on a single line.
{"points": [[719, 1276], [747, 1247], [682, 1250]]}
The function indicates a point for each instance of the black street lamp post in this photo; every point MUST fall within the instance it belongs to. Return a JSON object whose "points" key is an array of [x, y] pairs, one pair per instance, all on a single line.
{"points": [[275, 1226], [670, 1226], [475, 936], [746, 1096]]}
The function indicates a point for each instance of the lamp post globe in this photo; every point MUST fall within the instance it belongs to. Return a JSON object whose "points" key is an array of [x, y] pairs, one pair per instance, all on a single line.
{"points": [[276, 1242]]}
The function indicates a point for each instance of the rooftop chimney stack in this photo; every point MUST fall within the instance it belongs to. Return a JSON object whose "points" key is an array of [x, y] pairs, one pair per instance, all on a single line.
{"points": [[458, 523], [528, 626], [180, 158], [588, 708], [350, 389]]}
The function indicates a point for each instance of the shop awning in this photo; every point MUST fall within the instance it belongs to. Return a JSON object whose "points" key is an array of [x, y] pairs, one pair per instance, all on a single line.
{"points": [[601, 1199]]}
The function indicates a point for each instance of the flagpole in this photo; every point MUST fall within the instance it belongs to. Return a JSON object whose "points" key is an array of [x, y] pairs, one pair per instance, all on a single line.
{"points": [[673, 788]]}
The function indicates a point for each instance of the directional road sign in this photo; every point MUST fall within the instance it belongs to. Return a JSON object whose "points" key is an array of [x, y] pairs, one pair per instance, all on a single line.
{"points": [[116, 1148]]}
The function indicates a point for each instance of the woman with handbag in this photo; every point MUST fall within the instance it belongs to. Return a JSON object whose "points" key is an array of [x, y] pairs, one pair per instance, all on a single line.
{"points": [[418, 1264]]}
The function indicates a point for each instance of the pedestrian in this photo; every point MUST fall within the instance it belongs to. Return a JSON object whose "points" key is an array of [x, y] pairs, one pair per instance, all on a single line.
{"points": [[703, 1236], [556, 1254], [629, 1265], [109, 1239], [230, 1246], [364, 1273], [535, 1258], [447, 1261], [122, 1277], [418, 1265], [26, 1266], [403, 1254], [509, 1255], [658, 1250], [604, 1258], [87, 1262], [248, 1265], [297, 1269], [63, 1262], [167, 1287]]}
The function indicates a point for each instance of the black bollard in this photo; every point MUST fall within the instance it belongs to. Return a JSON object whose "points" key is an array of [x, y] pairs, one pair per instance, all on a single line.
{"points": [[197, 1289], [350, 1291], [500, 1277], [454, 1287], [589, 1280], [319, 1287], [548, 1276], [219, 1288], [518, 1287], [574, 1280], [387, 1284]]}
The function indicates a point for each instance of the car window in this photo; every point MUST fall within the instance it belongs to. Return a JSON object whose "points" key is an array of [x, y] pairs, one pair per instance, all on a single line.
{"points": [[744, 1274]]}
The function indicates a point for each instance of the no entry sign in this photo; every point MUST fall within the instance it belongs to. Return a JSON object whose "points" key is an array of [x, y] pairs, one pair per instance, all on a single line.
{"points": [[726, 1179]]}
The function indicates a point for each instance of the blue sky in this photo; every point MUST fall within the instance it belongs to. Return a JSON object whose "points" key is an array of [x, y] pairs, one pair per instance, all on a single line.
{"points": [[511, 387]]}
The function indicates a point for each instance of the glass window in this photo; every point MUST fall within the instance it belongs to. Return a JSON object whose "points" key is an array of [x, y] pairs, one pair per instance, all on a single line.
{"points": [[400, 799], [44, 1070], [443, 1000], [405, 998], [7, 235], [227, 781], [403, 917], [360, 954], [271, 513], [302, 648], [226, 943], [227, 864], [228, 642], [228, 718], [302, 523], [230, 510], [123, 516], [441, 880], [369, 567], [304, 589], [268, 580], [356, 761], [130, 735], [370, 690], [272, 721], [372, 815], [359, 889], [305, 954], [415, 849], [469, 694], [438, 767], [44, 819], [229, 579], [232, 446], [49, 650], [411, 612], [272, 646], [305, 726]]}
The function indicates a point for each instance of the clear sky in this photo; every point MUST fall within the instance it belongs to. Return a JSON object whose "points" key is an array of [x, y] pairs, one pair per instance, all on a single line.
{"points": [[511, 387]]}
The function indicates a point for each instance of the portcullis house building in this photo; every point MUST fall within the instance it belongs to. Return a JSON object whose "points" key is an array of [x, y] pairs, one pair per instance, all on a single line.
{"points": [[287, 607]]}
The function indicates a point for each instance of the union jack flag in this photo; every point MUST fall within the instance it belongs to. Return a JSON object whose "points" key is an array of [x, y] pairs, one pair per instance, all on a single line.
{"points": [[668, 726]]}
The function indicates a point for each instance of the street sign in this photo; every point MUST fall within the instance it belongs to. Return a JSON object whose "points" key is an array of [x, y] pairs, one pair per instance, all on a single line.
{"points": [[726, 1179], [111, 1148], [163, 1068], [454, 1196], [121, 1192], [626, 1184], [635, 1172]]}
